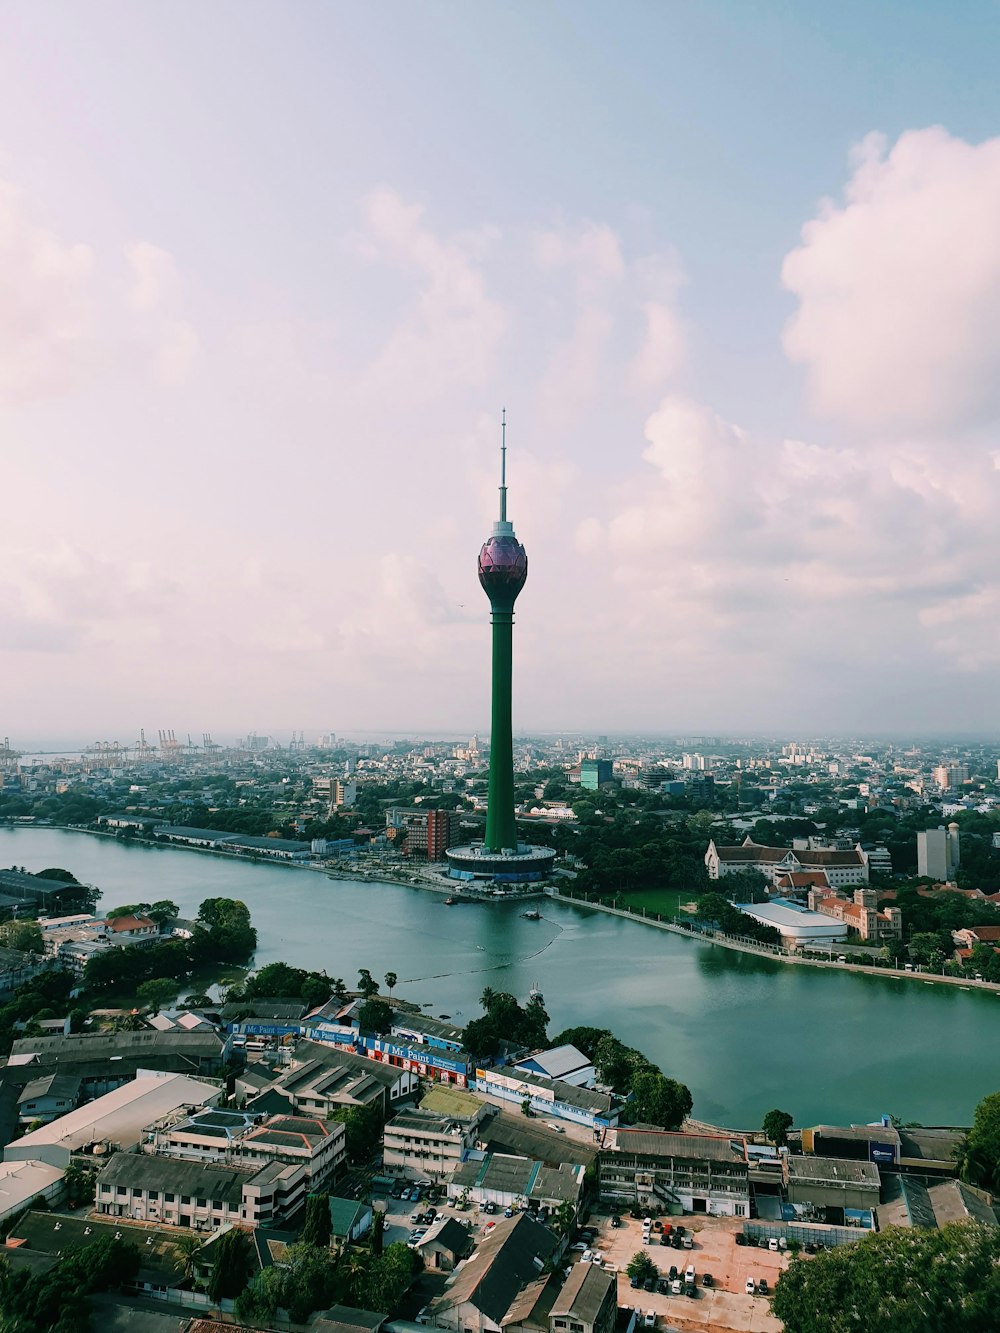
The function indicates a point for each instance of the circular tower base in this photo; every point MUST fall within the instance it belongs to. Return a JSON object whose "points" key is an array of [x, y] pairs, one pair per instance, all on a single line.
{"points": [[525, 866]]}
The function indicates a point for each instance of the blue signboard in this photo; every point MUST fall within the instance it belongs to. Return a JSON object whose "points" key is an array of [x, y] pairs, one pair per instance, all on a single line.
{"points": [[881, 1152], [264, 1029], [418, 1055]]}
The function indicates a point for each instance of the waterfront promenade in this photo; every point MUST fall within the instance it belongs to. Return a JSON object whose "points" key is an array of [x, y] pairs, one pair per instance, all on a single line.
{"points": [[781, 955]]}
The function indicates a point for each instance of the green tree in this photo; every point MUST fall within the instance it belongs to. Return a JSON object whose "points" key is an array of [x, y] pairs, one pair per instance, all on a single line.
{"points": [[188, 1248], [79, 1184], [156, 994], [979, 1155], [776, 1125], [390, 982], [658, 1100], [900, 1280], [235, 1264], [316, 1230], [367, 984], [363, 1128], [375, 1016], [641, 1266], [526, 1106]]}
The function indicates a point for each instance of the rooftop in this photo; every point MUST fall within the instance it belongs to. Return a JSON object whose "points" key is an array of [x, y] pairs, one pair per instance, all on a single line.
{"points": [[695, 1147], [205, 1180]]}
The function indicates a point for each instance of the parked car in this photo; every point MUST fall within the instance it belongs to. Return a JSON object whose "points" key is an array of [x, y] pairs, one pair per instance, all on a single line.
{"points": [[673, 1272], [690, 1289], [762, 1286], [689, 1273], [676, 1241], [416, 1217], [668, 1227], [635, 1283], [586, 1257], [664, 1240], [578, 1246], [740, 1238], [772, 1244], [676, 1287], [707, 1280], [650, 1284], [489, 1208], [751, 1286], [663, 1286], [647, 1222], [616, 1221], [508, 1212], [650, 1320]]}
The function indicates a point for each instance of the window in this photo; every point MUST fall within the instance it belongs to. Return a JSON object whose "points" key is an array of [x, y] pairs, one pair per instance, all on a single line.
{"points": [[122, 1191], [202, 1203], [169, 1198]]}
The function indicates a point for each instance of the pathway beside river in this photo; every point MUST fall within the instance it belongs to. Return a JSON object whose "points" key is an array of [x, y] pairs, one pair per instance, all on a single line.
{"points": [[745, 1032]]}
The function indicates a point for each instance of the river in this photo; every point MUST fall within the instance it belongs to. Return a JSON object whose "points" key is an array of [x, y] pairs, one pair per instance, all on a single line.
{"points": [[744, 1033]]}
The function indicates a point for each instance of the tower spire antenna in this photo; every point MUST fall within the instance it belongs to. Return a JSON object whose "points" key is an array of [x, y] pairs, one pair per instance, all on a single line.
{"points": [[503, 465]]}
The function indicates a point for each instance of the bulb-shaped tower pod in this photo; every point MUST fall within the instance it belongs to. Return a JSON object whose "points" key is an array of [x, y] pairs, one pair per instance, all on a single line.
{"points": [[503, 570]]}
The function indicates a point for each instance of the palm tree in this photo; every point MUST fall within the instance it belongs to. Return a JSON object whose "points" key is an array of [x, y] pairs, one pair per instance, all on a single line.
{"points": [[339, 989], [487, 998], [188, 1248], [390, 981]]}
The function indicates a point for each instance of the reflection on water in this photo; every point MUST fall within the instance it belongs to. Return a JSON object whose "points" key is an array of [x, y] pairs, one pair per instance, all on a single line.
{"points": [[745, 1033]]}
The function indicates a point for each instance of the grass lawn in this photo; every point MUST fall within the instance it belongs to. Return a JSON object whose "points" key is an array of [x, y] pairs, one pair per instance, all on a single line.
{"points": [[665, 901]]}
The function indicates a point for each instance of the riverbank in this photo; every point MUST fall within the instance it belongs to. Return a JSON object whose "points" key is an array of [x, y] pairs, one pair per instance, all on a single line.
{"points": [[769, 951]]}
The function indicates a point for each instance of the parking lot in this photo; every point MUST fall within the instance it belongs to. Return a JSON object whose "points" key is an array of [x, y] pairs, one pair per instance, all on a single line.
{"points": [[723, 1306]]}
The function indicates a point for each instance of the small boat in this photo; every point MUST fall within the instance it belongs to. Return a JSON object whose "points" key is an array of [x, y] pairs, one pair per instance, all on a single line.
{"points": [[450, 902], [533, 915]]}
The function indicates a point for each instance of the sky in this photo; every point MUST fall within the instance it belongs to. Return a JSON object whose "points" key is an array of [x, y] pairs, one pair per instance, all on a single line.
{"points": [[269, 272]]}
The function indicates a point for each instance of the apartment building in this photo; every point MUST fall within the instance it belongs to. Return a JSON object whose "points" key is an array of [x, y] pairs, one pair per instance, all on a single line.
{"points": [[201, 1195]]}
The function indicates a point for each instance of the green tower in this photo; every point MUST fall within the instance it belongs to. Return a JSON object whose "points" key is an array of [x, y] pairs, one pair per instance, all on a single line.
{"points": [[503, 569]]}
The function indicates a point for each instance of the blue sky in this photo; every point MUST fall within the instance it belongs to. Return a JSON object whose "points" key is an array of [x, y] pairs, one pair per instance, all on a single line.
{"points": [[268, 272]]}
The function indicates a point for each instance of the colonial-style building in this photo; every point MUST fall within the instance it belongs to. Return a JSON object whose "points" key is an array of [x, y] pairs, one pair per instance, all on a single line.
{"points": [[840, 867], [860, 914]]}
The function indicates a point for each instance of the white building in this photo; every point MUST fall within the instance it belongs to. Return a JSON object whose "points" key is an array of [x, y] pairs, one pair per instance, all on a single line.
{"points": [[938, 853], [841, 867], [799, 928], [562, 1062], [118, 1118]]}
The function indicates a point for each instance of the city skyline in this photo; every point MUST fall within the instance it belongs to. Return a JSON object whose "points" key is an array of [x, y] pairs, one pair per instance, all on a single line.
{"points": [[269, 278]]}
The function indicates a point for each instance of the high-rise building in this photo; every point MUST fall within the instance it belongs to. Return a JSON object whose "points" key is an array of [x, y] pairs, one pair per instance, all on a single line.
{"points": [[938, 853], [503, 571]]}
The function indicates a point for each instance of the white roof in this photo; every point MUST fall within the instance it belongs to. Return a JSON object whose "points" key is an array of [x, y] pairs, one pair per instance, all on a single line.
{"points": [[558, 1061], [119, 1116], [796, 922], [21, 1181]]}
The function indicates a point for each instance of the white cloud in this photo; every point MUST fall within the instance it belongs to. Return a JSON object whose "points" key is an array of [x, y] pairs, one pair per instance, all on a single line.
{"points": [[451, 334], [899, 287], [154, 274], [46, 315]]}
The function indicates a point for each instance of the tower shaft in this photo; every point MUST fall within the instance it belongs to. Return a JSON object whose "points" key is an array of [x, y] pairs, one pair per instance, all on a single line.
{"points": [[501, 831]]}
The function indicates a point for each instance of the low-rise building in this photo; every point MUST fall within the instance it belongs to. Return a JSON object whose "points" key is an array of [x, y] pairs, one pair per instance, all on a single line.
{"points": [[841, 867], [28, 1182], [831, 1182], [565, 1063], [549, 1097], [201, 1195], [238, 1138], [418, 1143], [674, 1172], [444, 1245], [350, 1219], [323, 1078], [509, 1181], [798, 927], [118, 1118], [908, 1202], [860, 913], [47, 1098], [586, 1303], [481, 1292]]}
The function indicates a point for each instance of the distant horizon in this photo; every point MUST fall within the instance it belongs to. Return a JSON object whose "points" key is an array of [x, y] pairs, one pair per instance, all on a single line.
{"points": [[57, 743]]}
